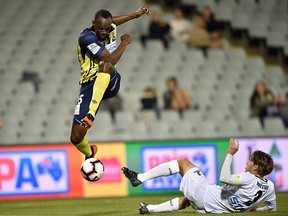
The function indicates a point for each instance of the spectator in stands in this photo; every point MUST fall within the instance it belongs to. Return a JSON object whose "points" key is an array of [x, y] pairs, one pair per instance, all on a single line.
{"points": [[112, 105], [180, 26], [264, 104], [211, 25], [1, 124], [33, 77], [175, 98], [200, 37], [158, 30], [149, 100], [284, 107]]}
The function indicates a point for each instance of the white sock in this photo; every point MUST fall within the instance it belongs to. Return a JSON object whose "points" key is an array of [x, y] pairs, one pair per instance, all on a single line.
{"points": [[169, 206], [164, 169]]}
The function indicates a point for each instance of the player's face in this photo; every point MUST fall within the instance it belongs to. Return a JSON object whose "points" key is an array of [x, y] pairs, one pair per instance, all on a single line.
{"points": [[250, 166], [102, 27]]}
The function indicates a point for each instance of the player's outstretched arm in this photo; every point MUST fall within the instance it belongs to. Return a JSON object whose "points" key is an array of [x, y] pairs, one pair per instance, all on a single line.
{"points": [[225, 174], [118, 20]]}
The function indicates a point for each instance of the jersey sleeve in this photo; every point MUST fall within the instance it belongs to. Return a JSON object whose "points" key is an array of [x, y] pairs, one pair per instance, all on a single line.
{"points": [[270, 203], [89, 43], [228, 178], [239, 179]]}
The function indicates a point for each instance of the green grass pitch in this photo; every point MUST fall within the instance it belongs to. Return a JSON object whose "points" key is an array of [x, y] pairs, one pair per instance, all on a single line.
{"points": [[109, 206]]}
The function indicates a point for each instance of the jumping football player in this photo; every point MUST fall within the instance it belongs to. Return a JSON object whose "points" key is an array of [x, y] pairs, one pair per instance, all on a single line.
{"points": [[241, 192], [96, 45]]}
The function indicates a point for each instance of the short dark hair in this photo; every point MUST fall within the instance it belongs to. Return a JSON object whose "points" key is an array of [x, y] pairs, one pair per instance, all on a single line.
{"points": [[264, 161], [102, 13], [173, 79]]}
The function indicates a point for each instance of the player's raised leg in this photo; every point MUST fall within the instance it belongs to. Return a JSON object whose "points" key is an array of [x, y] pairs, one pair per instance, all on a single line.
{"points": [[82, 122], [165, 169], [99, 88], [168, 206]]}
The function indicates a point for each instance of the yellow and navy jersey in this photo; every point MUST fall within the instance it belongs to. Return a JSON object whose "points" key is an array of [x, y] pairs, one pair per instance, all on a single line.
{"points": [[89, 50]]}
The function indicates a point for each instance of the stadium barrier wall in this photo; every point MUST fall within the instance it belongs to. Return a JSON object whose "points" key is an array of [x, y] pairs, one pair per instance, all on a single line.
{"points": [[53, 171], [38, 172], [208, 155]]}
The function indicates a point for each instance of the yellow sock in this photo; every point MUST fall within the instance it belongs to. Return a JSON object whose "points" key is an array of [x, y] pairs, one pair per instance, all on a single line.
{"points": [[99, 88], [84, 147]]}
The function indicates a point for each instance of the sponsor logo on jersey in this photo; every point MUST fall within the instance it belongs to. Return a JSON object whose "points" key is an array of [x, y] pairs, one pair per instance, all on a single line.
{"points": [[111, 47], [94, 48]]}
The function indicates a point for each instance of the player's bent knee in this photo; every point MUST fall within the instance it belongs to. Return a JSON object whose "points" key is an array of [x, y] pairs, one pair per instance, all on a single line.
{"points": [[183, 161], [108, 68], [185, 165]]}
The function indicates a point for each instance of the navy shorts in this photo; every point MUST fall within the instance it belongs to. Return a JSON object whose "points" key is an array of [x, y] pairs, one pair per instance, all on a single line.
{"points": [[85, 96]]}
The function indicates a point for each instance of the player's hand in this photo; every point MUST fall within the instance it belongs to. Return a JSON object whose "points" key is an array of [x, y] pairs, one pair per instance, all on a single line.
{"points": [[234, 146], [142, 10], [126, 38]]}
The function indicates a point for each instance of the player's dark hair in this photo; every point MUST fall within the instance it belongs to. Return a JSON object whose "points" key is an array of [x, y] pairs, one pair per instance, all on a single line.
{"points": [[102, 13], [264, 161]]}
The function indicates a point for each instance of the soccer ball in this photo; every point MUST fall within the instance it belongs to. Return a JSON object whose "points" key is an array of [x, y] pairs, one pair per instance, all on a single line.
{"points": [[92, 169]]}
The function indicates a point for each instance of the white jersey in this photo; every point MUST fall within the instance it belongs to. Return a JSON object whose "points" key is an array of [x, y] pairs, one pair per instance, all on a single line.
{"points": [[248, 192]]}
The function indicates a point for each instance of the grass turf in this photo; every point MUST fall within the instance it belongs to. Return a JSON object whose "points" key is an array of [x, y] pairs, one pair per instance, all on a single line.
{"points": [[109, 206]]}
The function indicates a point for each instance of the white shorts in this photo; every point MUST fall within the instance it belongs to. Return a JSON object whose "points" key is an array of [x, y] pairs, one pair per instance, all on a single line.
{"points": [[193, 185]]}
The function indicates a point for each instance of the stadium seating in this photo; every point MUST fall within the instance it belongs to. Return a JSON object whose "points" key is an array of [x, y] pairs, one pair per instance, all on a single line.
{"points": [[220, 84], [274, 127]]}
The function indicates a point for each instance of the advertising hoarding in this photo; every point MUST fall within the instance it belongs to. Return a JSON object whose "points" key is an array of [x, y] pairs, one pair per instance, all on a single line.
{"points": [[203, 157], [53, 171], [207, 155], [34, 172], [43, 171], [112, 183]]}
